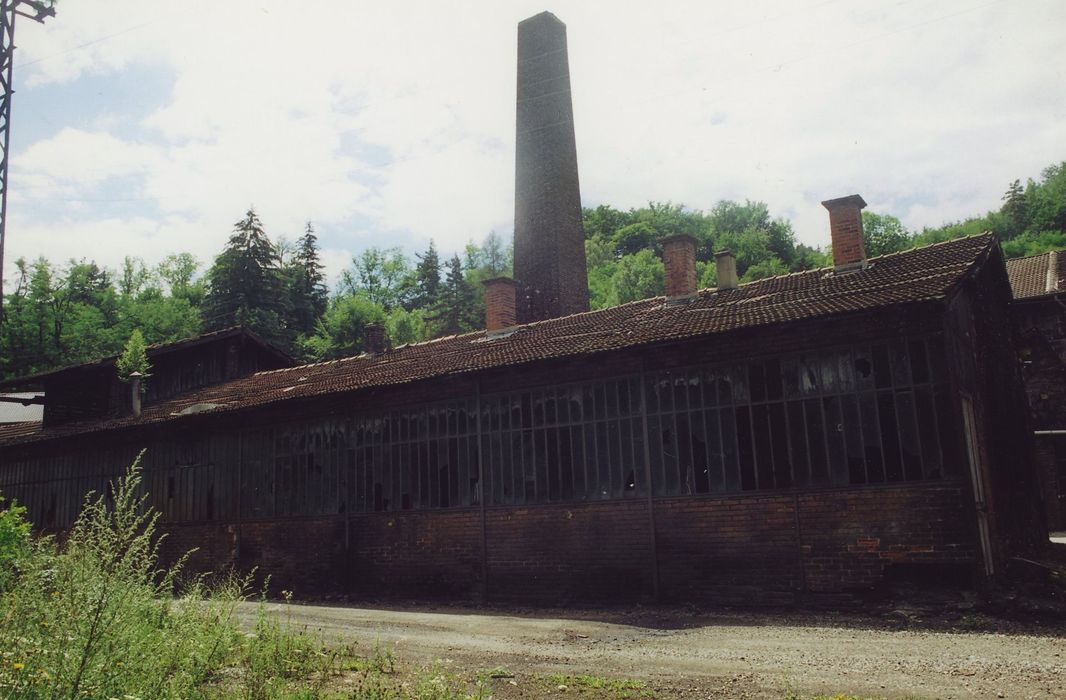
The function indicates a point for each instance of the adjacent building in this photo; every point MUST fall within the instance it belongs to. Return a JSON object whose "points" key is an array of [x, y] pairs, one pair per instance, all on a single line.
{"points": [[1039, 283]]}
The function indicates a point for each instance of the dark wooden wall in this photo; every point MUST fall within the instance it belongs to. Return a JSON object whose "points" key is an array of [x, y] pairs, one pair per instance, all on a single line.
{"points": [[218, 479], [94, 391]]}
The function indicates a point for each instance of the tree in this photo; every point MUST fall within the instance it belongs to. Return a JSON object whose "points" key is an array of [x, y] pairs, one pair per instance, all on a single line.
{"points": [[307, 285], [178, 271], [427, 279], [382, 275], [340, 332], [604, 220], [135, 276], [884, 233], [134, 358], [494, 256], [1015, 208], [246, 285], [634, 238], [638, 276], [456, 309], [406, 326]]}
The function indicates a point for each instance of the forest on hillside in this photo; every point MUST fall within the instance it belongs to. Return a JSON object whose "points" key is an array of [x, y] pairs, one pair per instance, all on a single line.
{"points": [[57, 314]]}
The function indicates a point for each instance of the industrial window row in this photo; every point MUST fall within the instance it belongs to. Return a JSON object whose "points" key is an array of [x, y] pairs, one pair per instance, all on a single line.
{"points": [[860, 415], [866, 414]]}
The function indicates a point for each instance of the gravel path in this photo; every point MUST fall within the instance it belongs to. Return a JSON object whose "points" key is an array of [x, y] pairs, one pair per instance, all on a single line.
{"points": [[717, 655]]}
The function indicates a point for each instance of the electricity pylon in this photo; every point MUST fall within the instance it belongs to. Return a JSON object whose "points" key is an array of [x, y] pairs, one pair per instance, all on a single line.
{"points": [[9, 10]]}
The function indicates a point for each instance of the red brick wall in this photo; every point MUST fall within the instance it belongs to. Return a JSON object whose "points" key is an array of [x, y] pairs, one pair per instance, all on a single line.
{"points": [[723, 547], [851, 537], [428, 554], [737, 548], [555, 554]]}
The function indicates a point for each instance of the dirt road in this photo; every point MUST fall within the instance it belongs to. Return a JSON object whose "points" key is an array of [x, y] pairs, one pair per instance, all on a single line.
{"points": [[717, 655]]}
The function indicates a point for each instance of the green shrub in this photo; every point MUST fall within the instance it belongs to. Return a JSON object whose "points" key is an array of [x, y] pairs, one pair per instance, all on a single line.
{"points": [[14, 541], [95, 618]]}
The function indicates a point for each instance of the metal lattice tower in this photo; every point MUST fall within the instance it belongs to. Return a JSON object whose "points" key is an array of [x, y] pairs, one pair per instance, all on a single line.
{"points": [[9, 10]]}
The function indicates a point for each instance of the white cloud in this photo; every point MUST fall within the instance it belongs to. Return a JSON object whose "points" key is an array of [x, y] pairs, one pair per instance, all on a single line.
{"points": [[394, 122]]}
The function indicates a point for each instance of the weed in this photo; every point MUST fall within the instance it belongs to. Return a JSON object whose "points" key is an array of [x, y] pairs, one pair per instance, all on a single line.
{"points": [[602, 687], [96, 617]]}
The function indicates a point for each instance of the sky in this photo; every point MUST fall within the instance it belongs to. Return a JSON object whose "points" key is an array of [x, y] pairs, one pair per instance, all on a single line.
{"points": [[150, 127]]}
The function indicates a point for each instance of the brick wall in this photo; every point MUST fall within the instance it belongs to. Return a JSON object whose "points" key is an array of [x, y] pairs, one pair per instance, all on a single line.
{"points": [[850, 538], [679, 265], [556, 554], [731, 549], [724, 548], [426, 554], [500, 294]]}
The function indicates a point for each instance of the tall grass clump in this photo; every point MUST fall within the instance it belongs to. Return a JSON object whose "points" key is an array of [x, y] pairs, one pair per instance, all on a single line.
{"points": [[95, 616]]}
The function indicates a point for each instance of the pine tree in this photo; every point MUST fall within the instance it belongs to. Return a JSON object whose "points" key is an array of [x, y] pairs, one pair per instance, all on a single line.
{"points": [[246, 284], [1015, 209], [307, 285], [456, 307], [134, 357], [427, 279], [494, 255]]}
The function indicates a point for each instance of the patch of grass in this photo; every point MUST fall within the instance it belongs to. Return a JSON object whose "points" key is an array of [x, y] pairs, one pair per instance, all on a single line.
{"points": [[96, 617], [597, 686], [496, 672]]}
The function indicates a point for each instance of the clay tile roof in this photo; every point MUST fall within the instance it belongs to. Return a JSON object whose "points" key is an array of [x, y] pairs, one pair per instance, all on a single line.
{"points": [[917, 275], [1038, 275], [11, 431]]}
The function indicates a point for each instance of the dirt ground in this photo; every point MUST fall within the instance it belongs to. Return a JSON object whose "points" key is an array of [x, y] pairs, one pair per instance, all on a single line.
{"points": [[687, 653]]}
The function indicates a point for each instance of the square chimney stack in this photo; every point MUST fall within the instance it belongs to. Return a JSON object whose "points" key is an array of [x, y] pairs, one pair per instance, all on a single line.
{"points": [[500, 297], [845, 229], [725, 264], [679, 266]]}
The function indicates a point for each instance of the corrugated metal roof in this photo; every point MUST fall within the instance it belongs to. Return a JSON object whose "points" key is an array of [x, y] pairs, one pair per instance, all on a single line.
{"points": [[916, 275]]}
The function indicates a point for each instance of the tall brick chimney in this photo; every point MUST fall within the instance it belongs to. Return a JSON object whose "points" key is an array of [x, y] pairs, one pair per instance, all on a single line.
{"points": [[679, 266], [725, 264], [845, 228], [374, 338], [500, 294], [549, 241]]}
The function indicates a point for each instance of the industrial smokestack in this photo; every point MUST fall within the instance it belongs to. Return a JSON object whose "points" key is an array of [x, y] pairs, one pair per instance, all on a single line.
{"points": [[549, 241]]}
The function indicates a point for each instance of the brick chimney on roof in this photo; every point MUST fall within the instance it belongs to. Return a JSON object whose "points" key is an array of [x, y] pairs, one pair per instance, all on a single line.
{"points": [[845, 228], [679, 266], [725, 264], [500, 295], [374, 338]]}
